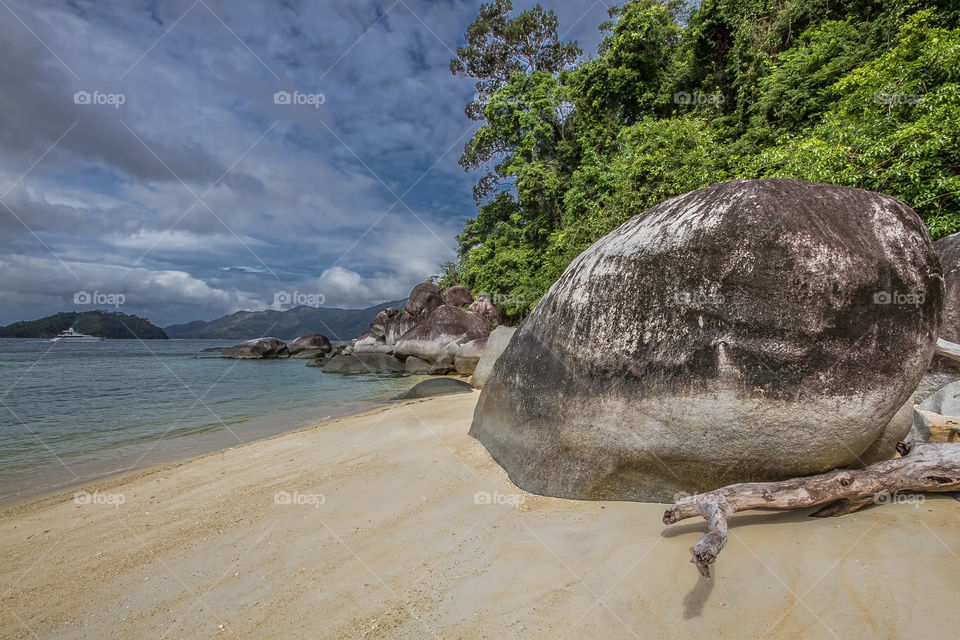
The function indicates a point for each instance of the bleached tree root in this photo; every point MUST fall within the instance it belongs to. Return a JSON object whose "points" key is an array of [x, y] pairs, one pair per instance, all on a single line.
{"points": [[923, 467]]}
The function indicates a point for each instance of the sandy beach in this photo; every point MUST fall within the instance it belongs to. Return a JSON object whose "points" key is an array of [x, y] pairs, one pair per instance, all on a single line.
{"points": [[396, 524]]}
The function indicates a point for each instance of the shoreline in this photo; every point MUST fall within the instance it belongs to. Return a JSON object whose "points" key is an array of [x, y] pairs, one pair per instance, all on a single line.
{"points": [[395, 523], [12, 504]]}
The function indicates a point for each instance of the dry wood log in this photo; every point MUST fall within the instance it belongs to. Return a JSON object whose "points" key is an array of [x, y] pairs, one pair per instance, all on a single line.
{"points": [[948, 349], [924, 466]]}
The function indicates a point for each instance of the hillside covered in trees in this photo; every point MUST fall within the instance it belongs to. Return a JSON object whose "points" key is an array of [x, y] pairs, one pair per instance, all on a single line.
{"points": [[860, 93], [104, 324]]}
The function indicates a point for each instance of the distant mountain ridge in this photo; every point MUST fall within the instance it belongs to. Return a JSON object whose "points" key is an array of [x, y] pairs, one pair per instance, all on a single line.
{"points": [[104, 324], [336, 324]]}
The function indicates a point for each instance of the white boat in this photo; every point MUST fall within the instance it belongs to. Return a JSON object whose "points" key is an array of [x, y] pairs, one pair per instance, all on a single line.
{"points": [[72, 336]]}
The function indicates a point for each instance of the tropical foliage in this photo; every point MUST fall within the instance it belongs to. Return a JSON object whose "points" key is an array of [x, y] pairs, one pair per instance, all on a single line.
{"points": [[864, 93]]}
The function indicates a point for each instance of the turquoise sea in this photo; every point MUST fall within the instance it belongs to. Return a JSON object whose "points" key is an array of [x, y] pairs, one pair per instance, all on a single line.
{"points": [[74, 412]]}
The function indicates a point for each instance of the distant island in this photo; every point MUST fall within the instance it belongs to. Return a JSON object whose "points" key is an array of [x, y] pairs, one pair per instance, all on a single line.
{"points": [[339, 325], [104, 324]]}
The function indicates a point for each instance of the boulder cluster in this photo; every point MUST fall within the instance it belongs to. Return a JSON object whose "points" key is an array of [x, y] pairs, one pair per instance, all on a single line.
{"points": [[312, 345], [437, 332]]}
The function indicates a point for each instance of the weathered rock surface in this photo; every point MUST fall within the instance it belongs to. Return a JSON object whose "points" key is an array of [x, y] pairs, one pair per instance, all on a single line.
{"points": [[945, 402], [485, 307], [457, 296], [309, 346], [363, 363], [468, 355], [424, 298], [256, 349], [382, 320], [399, 325], [435, 387], [900, 426], [752, 330], [497, 341], [438, 337], [948, 249]]}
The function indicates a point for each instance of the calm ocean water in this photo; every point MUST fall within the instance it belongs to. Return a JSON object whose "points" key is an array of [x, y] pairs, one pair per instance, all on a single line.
{"points": [[72, 412]]}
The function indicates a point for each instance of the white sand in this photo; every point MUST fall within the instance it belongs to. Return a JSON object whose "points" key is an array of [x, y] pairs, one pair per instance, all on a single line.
{"points": [[400, 549]]}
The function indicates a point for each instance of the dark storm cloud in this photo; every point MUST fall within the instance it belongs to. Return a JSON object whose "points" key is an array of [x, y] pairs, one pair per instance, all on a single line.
{"points": [[198, 192]]}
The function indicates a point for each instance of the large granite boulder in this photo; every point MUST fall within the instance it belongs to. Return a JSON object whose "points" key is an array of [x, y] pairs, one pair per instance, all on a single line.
{"points": [[256, 349], [424, 298], [497, 341], [311, 345], [378, 326], [751, 330], [399, 325], [363, 363], [438, 337], [457, 296]]}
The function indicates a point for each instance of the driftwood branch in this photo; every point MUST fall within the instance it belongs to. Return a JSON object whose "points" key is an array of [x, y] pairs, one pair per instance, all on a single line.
{"points": [[948, 349], [924, 466]]}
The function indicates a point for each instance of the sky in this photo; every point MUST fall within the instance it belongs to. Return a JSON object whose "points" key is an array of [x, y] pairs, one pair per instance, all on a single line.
{"points": [[186, 159]]}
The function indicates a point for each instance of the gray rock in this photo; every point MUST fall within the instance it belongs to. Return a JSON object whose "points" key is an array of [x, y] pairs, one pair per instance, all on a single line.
{"points": [[416, 366], [497, 341], [424, 298], [379, 324], [363, 363], [399, 325], [311, 345], [370, 342], [485, 307], [437, 338], [948, 249], [752, 330], [318, 362], [457, 296], [435, 387], [257, 349], [946, 402], [468, 355], [901, 426]]}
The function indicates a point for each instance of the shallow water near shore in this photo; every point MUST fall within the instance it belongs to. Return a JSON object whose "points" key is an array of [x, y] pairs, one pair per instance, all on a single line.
{"points": [[74, 412]]}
